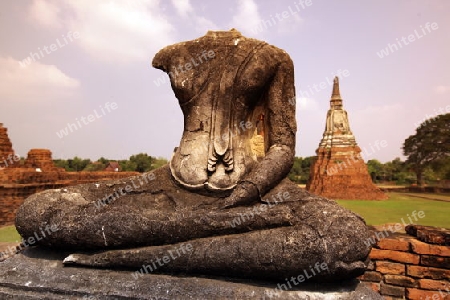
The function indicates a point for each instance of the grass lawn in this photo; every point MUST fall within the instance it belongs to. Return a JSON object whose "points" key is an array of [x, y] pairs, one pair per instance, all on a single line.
{"points": [[431, 196], [9, 234], [398, 206]]}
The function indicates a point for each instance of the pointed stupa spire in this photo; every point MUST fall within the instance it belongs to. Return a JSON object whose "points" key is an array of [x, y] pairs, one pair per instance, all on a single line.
{"points": [[337, 127], [336, 100]]}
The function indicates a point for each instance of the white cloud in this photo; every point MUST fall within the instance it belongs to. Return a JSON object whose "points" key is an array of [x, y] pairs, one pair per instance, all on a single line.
{"points": [[247, 20], [290, 24], [35, 82], [441, 89], [202, 25], [379, 118], [183, 7], [284, 21], [114, 31], [191, 19], [306, 104], [46, 13]]}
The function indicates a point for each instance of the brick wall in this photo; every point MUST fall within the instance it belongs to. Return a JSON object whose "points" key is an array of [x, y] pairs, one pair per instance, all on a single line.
{"points": [[402, 267], [13, 195], [16, 184], [38, 173]]}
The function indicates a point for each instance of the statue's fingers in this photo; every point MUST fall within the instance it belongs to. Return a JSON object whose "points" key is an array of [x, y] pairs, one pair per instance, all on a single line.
{"points": [[230, 202]]}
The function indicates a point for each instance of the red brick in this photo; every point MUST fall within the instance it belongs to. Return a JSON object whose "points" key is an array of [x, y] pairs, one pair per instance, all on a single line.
{"points": [[373, 285], [392, 298], [392, 290], [428, 284], [400, 280], [346, 176], [393, 244], [386, 267], [424, 248], [435, 261], [429, 234], [416, 294], [427, 272], [371, 276], [397, 256]]}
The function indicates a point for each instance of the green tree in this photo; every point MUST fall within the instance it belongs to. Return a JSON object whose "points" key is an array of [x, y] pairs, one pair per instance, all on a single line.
{"points": [[127, 166], [429, 176], [388, 171], [430, 143], [399, 171], [77, 164], [103, 161], [62, 163], [375, 169], [95, 167], [300, 169], [143, 162], [158, 162], [306, 167], [296, 171], [441, 168]]}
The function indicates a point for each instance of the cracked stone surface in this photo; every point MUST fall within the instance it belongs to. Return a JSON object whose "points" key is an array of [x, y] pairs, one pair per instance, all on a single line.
{"points": [[229, 204], [38, 273]]}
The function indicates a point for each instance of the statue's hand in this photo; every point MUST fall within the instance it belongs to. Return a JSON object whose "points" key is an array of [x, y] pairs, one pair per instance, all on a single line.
{"points": [[244, 193]]}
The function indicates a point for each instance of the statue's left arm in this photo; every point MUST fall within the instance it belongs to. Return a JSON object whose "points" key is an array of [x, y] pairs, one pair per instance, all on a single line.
{"points": [[282, 128]]}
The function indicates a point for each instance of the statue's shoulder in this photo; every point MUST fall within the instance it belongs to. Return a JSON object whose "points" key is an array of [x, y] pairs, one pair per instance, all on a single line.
{"points": [[162, 57], [271, 53], [280, 54], [263, 49]]}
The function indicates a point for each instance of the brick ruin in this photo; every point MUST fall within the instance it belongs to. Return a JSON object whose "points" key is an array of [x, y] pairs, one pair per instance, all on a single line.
{"points": [[413, 267], [339, 171], [38, 173], [6, 150]]}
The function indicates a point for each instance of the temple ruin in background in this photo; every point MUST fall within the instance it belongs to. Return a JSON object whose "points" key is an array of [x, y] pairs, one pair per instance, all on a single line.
{"points": [[37, 173], [339, 171]]}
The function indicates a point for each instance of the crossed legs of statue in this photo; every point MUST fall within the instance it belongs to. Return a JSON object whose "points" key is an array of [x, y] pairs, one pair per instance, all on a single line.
{"points": [[177, 230]]}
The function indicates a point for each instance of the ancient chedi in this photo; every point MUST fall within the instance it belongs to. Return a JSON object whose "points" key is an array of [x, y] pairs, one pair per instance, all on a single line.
{"points": [[339, 171], [215, 210]]}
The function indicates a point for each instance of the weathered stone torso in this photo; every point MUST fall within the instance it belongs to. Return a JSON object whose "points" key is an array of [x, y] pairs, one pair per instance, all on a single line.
{"points": [[222, 97]]}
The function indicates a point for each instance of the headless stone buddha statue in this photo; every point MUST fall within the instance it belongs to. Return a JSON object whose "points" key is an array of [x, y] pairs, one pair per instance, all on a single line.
{"points": [[242, 79], [231, 207]]}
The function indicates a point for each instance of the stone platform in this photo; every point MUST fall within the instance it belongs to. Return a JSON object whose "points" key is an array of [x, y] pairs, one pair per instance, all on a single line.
{"points": [[38, 273]]}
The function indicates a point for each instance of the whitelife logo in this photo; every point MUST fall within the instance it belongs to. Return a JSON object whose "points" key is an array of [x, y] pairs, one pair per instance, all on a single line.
{"points": [[34, 56], [108, 107]]}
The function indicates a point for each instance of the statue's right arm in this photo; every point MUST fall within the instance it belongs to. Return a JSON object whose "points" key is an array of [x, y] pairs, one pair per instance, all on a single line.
{"points": [[282, 128]]}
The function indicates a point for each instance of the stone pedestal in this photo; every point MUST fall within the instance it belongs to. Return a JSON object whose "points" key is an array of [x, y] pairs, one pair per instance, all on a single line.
{"points": [[39, 274]]}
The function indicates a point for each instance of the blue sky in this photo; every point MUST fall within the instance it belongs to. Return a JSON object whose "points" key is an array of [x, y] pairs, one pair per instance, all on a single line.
{"points": [[88, 63]]}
